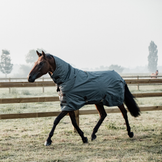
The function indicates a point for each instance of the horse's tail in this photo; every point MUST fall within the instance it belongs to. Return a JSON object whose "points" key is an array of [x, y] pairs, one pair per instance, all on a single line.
{"points": [[131, 103]]}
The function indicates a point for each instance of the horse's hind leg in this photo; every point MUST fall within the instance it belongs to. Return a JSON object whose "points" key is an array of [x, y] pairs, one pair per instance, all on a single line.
{"points": [[124, 113], [73, 120], [103, 114], [57, 120]]}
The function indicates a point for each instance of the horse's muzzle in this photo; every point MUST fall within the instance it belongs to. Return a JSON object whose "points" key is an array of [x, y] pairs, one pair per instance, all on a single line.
{"points": [[31, 79]]}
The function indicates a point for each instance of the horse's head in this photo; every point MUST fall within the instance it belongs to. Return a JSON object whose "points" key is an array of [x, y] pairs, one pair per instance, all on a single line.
{"points": [[45, 64]]}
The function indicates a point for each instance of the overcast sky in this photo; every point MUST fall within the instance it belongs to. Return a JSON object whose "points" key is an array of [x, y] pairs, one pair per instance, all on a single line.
{"points": [[85, 33]]}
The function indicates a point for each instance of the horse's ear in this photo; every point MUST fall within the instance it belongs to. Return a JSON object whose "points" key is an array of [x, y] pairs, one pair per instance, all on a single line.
{"points": [[43, 54], [39, 54]]}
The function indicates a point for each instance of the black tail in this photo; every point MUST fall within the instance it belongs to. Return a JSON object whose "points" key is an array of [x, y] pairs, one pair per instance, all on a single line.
{"points": [[131, 103]]}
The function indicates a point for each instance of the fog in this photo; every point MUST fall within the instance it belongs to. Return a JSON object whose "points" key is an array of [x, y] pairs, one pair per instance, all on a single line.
{"points": [[23, 73], [88, 34]]}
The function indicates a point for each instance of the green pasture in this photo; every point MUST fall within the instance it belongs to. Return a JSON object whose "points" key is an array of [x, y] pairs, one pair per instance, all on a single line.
{"points": [[23, 139]]}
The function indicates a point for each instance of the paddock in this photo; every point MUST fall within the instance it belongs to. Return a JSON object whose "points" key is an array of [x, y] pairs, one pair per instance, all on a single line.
{"points": [[27, 116]]}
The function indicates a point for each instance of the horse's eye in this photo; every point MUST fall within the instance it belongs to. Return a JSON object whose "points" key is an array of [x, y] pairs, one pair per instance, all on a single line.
{"points": [[41, 63]]}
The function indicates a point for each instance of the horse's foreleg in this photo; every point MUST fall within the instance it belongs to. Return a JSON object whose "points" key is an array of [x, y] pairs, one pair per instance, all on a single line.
{"points": [[124, 113], [103, 114], [56, 121], [73, 120]]}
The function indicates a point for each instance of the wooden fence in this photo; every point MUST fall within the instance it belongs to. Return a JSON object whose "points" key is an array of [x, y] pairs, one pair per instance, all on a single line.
{"points": [[51, 83], [53, 99]]}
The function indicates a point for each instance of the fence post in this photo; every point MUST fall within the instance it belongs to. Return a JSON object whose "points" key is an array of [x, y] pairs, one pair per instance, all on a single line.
{"points": [[138, 84], [77, 118], [9, 80], [43, 83]]}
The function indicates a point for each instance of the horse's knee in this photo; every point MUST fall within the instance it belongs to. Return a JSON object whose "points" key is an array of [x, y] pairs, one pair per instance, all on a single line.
{"points": [[56, 121], [103, 115], [59, 117]]}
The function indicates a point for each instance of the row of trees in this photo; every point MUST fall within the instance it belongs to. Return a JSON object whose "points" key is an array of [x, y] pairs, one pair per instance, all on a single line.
{"points": [[152, 60], [6, 66]]}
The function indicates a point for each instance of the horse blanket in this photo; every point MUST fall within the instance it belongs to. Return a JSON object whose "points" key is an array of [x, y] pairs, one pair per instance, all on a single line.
{"points": [[77, 88]]}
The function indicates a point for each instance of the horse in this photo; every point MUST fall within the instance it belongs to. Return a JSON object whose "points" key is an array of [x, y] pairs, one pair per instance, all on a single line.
{"points": [[76, 89], [154, 75]]}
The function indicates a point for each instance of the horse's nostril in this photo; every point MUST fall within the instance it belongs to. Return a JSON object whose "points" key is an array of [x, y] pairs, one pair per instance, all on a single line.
{"points": [[30, 78]]}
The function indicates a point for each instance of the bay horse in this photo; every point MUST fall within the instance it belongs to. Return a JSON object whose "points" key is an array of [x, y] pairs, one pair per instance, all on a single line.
{"points": [[77, 88]]}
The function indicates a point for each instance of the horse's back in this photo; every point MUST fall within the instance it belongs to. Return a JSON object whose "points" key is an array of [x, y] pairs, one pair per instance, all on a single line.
{"points": [[101, 85]]}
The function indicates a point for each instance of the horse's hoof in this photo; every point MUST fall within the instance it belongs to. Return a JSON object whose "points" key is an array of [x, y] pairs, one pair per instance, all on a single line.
{"points": [[85, 140], [93, 137], [131, 134], [48, 143]]}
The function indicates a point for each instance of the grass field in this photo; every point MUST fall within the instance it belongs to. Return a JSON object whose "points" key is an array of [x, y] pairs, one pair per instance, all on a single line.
{"points": [[23, 139]]}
